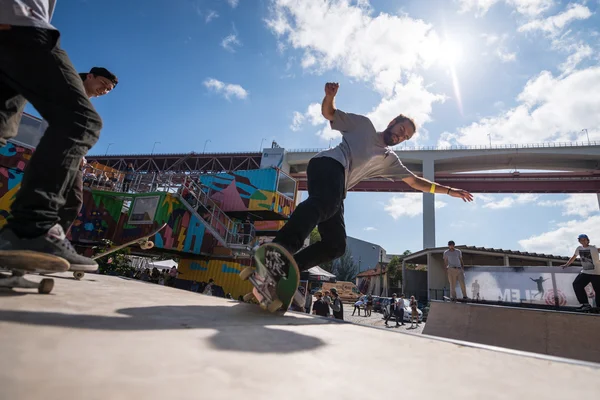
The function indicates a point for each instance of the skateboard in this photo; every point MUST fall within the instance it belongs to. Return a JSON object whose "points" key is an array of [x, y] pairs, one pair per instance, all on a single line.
{"points": [[457, 300], [275, 278], [144, 242], [18, 263]]}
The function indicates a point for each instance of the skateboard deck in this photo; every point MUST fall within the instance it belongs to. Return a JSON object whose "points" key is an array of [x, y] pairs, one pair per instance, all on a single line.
{"points": [[19, 263], [144, 242], [275, 278], [457, 300]]}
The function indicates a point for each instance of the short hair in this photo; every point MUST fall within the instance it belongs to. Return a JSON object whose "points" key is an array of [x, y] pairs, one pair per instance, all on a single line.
{"points": [[402, 118], [451, 243]]}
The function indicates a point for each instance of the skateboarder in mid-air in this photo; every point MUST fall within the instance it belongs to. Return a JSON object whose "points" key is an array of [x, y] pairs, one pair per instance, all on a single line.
{"points": [[363, 153], [590, 260], [34, 68]]}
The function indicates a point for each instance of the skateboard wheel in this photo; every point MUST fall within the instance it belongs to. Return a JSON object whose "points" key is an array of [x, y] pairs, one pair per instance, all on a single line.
{"points": [[147, 245], [274, 306], [78, 275], [248, 296], [46, 286], [246, 273]]}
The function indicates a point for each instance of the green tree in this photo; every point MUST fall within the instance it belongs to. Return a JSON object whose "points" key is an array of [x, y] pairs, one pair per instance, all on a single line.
{"points": [[345, 268], [394, 270]]}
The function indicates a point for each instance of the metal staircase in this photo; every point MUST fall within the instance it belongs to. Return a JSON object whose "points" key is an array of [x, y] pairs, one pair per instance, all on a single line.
{"points": [[236, 236]]}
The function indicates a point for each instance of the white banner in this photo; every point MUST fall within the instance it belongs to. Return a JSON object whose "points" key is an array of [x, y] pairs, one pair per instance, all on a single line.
{"points": [[532, 285]]}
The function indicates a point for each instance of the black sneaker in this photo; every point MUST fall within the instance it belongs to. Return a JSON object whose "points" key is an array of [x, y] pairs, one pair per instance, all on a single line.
{"points": [[584, 307], [53, 242]]}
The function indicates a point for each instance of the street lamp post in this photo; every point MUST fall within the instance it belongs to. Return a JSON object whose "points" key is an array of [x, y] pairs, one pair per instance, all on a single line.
{"points": [[108, 147], [490, 137], [155, 143], [586, 133], [261, 142], [205, 143], [380, 268]]}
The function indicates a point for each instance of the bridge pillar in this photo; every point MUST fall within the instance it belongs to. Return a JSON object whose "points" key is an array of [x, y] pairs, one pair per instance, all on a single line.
{"points": [[428, 207], [598, 194]]}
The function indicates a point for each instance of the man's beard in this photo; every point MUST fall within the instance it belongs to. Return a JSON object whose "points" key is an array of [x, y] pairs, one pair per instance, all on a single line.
{"points": [[388, 137]]}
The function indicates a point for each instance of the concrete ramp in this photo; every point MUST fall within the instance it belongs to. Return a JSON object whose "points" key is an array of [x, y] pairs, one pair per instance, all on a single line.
{"points": [[555, 333], [114, 339]]}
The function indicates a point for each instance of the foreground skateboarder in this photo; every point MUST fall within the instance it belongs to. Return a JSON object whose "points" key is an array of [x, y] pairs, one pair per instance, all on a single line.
{"points": [[590, 272], [34, 68], [364, 153], [98, 82]]}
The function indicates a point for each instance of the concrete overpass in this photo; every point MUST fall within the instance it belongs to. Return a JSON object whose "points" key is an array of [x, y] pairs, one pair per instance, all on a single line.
{"points": [[579, 164]]}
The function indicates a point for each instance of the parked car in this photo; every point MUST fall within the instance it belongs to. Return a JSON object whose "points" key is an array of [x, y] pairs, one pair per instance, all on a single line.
{"points": [[407, 310], [377, 301]]}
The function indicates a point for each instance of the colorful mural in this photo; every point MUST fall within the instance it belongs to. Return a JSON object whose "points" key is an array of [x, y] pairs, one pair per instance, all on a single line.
{"points": [[225, 273], [253, 190], [13, 160], [102, 217]]}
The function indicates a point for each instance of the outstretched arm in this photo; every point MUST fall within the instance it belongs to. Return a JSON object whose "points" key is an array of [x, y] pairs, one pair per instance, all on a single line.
{"points": [[328, 104], [425, 185], [570, 261]]}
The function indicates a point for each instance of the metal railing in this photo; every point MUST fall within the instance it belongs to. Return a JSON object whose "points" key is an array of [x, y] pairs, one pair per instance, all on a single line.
{"points": [[475, 147], [193, 194]]}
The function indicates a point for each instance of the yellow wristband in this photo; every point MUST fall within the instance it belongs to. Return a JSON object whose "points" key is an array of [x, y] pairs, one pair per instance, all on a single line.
{"points": [[432, 190]]}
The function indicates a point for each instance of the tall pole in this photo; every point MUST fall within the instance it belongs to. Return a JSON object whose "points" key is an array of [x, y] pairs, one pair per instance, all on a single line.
{"points": [[205, 143], [155, 143], [490, 137], [108, 147], [261, 142], [586, 133], [381, 269]]}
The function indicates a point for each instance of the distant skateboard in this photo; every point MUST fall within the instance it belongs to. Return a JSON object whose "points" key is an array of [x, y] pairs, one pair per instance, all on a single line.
{"points": [[144, 242], [273, 261], [446, 298], [592, 310], [19, 263]]}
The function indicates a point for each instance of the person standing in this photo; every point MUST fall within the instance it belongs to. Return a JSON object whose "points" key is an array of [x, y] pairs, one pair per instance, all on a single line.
{"points": [[393, 306], [590, 261], [35, 69], [414, 314], [320, 307], [455, 269], [336, 305]]}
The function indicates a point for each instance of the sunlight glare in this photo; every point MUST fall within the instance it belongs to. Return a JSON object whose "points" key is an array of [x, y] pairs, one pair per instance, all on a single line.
{"points": [[450, 53]]}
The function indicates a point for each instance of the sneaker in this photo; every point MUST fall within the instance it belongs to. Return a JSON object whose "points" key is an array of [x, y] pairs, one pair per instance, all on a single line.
{"points": [[53, 242], [584, 307]]}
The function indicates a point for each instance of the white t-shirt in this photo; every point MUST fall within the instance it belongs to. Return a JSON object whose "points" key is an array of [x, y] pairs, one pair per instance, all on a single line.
{"points": [[362, 151], [590, 260]]}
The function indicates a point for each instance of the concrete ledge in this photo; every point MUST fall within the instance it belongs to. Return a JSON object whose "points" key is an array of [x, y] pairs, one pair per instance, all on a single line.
{"points": [[113, 338]]}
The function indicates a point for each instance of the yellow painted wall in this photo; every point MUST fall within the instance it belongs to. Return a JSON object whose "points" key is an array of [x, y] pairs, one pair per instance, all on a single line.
{"points": [[225, 273]]}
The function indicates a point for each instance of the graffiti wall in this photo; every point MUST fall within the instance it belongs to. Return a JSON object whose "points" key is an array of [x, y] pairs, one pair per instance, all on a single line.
{"points": [[253, 190], [13, 160], [104, 216], [225, 273]]}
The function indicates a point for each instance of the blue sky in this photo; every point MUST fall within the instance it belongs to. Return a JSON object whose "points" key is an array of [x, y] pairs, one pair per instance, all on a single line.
{"points": [[235, 72]]}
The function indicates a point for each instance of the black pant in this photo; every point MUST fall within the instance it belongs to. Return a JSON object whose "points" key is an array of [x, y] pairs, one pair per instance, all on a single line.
{"points": [[74, 201], [581, 282], [396, 314], [324, 208], [34, 68]]}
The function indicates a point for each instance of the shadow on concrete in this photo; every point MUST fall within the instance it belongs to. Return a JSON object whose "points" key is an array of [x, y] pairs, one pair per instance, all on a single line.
{"points": [[5, 292], [241, 327]]}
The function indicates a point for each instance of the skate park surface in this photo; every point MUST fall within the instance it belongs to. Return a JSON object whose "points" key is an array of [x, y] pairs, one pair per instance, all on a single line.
{"points": [[554, 333], [113, 338]]}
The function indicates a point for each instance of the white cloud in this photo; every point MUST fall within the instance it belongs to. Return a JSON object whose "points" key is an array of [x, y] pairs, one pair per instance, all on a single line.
{"points": [[551, 109], [370, 228], [229, 42], [556, 23], [525, 7], [580, 52], [581, 205], [497, 44], [509, 201], [233, 3], [384, 51], [312, 115], [210, 15], [228, 90], [408, 205], [563, 241]]}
